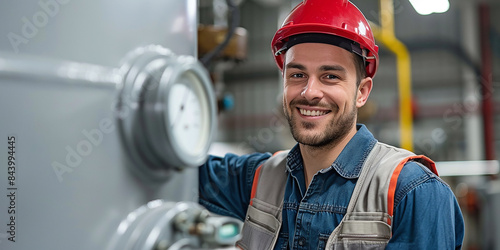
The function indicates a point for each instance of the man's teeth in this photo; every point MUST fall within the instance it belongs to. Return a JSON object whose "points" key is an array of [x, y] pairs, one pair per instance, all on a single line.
{"points": [[312, 113]]}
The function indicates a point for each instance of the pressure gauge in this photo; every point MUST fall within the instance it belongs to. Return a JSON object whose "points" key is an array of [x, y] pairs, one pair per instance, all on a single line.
{"points": [[187, 115], [167, 111]]}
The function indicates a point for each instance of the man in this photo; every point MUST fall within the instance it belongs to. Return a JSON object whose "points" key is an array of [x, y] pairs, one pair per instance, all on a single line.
{"points": [[338, 188]]}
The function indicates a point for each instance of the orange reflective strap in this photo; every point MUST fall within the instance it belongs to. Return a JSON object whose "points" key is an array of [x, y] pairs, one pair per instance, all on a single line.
{"points": [[256, 180], [428, 163], [254, 184], [395, 175]]}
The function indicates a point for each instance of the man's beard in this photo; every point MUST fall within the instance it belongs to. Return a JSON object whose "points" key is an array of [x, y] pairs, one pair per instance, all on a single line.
{"points": [[332, 134]]}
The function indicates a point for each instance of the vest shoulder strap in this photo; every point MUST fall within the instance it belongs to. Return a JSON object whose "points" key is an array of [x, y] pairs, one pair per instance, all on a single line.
{"points": [[268, 183], [263, 218], [378, 177]]}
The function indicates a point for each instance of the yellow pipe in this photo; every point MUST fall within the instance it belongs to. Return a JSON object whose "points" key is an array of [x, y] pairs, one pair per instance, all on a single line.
{"points": [[386, 35]]}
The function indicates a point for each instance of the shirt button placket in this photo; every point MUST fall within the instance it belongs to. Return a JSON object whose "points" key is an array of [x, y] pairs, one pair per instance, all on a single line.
{"points": [[302, 241]]}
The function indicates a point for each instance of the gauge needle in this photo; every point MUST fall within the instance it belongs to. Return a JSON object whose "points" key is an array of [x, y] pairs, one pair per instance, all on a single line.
{"points": [[182, 107]]}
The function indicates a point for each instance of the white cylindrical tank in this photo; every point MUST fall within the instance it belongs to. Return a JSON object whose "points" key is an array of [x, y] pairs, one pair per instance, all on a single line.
{"points": [[78, 172]]}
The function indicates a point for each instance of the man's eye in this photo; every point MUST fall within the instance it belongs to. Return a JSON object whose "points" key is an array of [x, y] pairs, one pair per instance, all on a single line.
{"points": [[297, 75], [332, 77]]}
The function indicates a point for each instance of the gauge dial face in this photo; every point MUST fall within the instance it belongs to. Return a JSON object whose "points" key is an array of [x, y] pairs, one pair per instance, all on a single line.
{"points": [[172, 118], [188, 114]]}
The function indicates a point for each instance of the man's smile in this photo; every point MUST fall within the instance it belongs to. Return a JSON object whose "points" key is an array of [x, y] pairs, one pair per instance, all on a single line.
{"points": [[312, 112]]}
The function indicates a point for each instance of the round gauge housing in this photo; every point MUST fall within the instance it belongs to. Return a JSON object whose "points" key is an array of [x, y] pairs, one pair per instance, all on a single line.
{"points": [[167, 111]]}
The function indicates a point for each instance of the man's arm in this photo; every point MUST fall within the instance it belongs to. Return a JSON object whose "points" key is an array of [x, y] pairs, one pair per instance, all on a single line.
{"points": [[225, 183], [426, 213]]}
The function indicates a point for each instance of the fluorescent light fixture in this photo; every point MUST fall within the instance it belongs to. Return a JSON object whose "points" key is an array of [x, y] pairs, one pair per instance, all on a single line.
{"points": [[426, 7]]}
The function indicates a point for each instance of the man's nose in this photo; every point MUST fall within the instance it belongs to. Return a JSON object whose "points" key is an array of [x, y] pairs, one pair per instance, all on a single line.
{"points": [[312, 90]]}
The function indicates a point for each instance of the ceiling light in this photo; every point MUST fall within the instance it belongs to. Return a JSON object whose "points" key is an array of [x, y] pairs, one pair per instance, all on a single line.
{"points": [[426, 7]]}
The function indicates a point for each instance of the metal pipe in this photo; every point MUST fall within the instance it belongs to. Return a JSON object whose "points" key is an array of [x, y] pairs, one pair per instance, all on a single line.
{"points": [[386, 35], [486, 81], [472, 118]]}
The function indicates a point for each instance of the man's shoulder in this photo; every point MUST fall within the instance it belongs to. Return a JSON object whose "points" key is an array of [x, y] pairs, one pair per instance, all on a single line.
{"points": [[413, 171], [413, 175]]}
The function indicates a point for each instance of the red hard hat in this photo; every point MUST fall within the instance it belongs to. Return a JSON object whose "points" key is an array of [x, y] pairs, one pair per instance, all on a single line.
{"points": [[339, 18]]}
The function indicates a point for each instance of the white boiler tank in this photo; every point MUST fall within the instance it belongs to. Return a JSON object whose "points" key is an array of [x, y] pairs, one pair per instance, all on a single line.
{"points": [[105, 114]]}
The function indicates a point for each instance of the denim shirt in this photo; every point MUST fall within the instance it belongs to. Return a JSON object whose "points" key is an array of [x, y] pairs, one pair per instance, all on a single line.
{"points": [[426, 213]]}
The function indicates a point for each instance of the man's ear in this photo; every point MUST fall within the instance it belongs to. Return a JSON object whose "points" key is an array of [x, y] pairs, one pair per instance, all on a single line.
{"points": [[364, 89]]}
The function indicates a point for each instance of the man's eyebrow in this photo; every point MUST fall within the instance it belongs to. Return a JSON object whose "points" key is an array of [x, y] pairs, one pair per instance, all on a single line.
{"points": [[322, 68], [332, 68], [295, 66]]}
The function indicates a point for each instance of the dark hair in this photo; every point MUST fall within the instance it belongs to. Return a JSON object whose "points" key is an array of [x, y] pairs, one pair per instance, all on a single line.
{"points": [[360, 68]]}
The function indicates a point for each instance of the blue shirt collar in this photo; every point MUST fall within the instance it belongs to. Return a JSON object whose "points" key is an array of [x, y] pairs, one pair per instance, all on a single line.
{"points": [[350, 161]]}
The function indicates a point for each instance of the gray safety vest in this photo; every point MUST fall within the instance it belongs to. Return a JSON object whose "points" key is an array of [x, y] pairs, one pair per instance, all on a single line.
{"points": [[367, 222]]}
